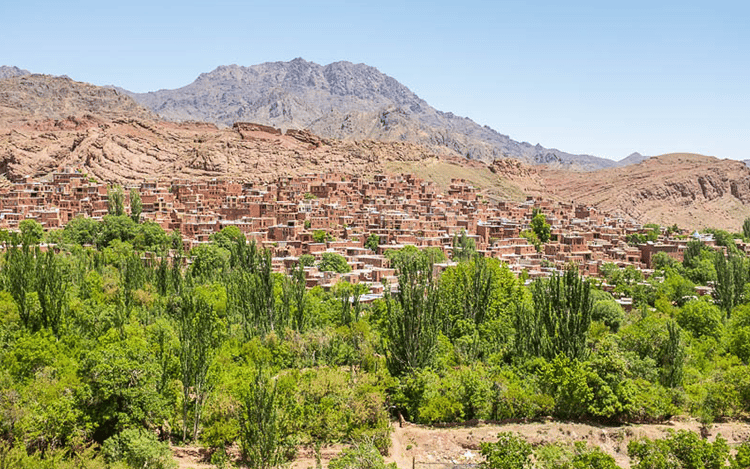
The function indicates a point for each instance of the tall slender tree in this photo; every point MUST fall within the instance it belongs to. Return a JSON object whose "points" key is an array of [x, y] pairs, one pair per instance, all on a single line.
{"points": [[115, 200], [560, 319], [413, 316], [264, 435], [731, 277], [136, 206], [201, 331]]}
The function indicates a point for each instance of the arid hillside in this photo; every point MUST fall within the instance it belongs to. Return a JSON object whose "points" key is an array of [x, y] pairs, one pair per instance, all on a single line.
{"points": [[686, 189], [50, 123]]}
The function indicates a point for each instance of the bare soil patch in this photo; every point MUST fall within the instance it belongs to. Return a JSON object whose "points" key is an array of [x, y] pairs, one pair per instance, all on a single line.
{"points": [[461, 445]]}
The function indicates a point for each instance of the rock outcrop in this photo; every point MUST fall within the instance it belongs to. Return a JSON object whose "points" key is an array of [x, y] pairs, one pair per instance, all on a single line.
{"points": [[690, 190], [33, 97], [48, 124], [9, 72], [344, 101]]}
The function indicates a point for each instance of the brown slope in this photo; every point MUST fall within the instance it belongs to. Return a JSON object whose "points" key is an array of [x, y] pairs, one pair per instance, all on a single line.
{"points": [[31, 97], [690, 190], [49, 123], [130, 150]]}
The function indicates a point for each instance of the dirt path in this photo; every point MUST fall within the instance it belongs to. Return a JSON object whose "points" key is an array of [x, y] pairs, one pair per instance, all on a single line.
{"points": [[461, 444]]}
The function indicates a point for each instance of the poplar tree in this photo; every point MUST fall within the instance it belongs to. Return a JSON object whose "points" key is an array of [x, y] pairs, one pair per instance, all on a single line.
{"points": [[264, 436], [559, 320], [413, 319], [201, 332], [136, 207], [51, 286], [731, 277], [115, 201]]}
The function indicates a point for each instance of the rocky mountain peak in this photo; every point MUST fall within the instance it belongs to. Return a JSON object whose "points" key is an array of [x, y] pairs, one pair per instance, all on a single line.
{"points": [[342, 100], [9, 72]]}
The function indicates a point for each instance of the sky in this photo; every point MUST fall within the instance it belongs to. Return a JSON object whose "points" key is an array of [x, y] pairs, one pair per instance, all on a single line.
{"points": [[604, 77]]}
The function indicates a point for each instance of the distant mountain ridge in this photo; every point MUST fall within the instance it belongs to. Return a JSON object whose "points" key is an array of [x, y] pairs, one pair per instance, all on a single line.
{"points": [[26, 97], [633, 158], [10, 72], [345, 101], [51, 123]]}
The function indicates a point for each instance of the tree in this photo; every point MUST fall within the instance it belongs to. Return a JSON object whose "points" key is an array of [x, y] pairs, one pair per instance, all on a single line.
{"points": [[540, 226], [115, 200], [136, 207], [306, 260], [333, 262], [475, 299], [201, 331], [123, 379], [372, 242], [150, 236], [558, 321], [701, 318], [251, 293], [731, 277], [116, 227], [532, 238], [294, 293], [464, 248], [227, 237], [413, 318], [746, 228], [321, 236], [51, 287], [31, 231], [81, 230], [19, 269], [209, 261], [264, 436], [672, 357]]}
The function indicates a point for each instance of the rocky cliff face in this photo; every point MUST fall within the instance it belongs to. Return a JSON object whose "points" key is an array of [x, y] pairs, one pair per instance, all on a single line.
{"points": [[345, 101], [50, 123], [690, 190]]}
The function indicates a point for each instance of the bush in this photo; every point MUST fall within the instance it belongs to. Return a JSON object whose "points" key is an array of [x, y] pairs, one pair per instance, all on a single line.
{"points": [[138, 449], [361, 456], [508, 452], [679, 449]]}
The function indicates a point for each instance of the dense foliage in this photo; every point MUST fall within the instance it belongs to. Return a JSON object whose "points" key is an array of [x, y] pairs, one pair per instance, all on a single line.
{"points": [[114, 343]]}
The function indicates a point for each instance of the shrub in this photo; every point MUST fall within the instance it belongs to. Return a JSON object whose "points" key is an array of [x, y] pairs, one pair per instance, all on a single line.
{"points": [[361, 456], [508, 452], [138, 449]]}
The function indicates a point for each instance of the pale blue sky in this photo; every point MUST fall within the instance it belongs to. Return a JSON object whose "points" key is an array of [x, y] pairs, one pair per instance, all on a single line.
{"points": [[600, 77]]}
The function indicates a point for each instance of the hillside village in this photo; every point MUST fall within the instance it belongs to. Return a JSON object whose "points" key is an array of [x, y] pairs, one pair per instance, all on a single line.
{"points": [[400, 209]]}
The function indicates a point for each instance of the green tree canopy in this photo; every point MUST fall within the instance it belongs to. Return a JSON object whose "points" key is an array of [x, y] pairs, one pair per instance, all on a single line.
{"points": [[333, 262]]}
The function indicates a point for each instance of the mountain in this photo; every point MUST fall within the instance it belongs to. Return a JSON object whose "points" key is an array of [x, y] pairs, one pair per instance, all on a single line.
{"points": [[633, 158], [51, 123], [30, 97], [344, 101], [9, 72]]}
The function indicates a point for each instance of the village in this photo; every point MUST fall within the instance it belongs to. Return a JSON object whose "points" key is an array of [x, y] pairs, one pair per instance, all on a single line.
{"points": [[288, 216]]}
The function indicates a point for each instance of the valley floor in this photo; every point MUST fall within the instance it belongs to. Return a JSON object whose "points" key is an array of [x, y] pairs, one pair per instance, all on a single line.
{"points": [[415, 444]]}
